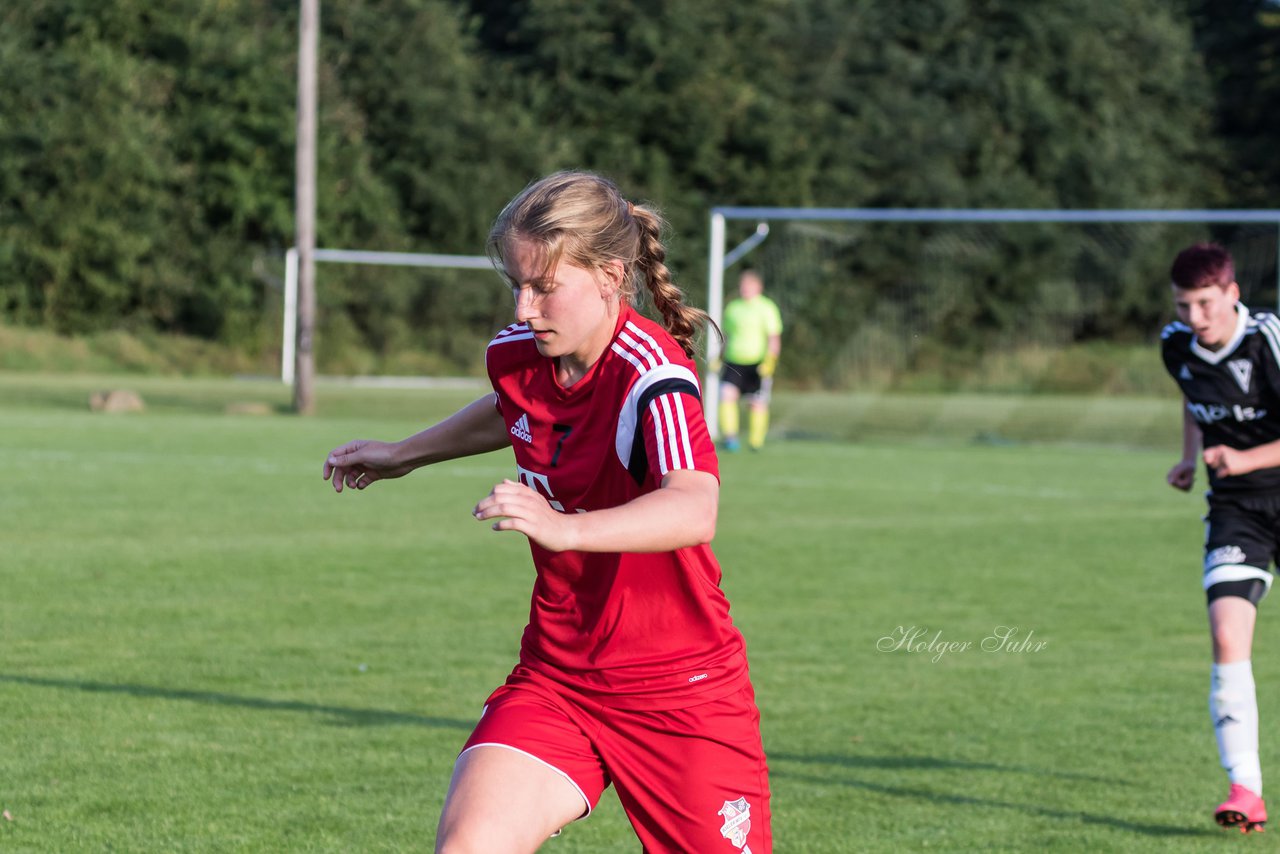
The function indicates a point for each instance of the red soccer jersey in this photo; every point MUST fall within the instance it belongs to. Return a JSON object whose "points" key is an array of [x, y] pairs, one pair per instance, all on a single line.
{"points": [[632, 630]]}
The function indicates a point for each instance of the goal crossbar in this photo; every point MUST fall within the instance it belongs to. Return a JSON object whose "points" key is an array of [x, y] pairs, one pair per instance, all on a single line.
{"points": [[355, 256], [997, 215]]}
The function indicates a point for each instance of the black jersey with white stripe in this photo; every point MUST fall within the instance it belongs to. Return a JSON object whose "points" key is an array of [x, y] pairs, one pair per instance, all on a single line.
{"points": [[1233, 392]]}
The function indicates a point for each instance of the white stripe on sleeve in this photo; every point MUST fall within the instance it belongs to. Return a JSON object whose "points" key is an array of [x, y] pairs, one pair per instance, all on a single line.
{"points": [[663, 468], [673, 436], [657, 348], [684, 431], [1269, 331], [630, 413], [622, 351], [640, 349]]}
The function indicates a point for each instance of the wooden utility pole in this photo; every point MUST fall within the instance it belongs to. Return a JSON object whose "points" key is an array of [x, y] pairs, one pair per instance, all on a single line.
{"points": [[305, 206]]}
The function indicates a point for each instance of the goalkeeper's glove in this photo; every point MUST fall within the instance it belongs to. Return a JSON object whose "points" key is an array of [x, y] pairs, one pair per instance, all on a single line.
{"points": [[768, 366]]}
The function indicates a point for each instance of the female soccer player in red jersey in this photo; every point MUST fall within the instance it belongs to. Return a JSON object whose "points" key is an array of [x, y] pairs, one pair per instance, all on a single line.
{"points": [[631, 672]]}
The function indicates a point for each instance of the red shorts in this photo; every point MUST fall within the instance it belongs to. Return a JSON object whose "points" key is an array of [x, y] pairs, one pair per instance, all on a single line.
{"points": [[691, 779]]}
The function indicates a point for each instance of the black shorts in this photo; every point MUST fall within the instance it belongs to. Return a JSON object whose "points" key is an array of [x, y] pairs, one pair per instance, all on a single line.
{"points": [[1241, 541], [745, 378]]}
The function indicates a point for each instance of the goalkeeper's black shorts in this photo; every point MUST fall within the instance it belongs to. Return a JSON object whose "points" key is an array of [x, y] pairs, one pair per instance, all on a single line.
{"points": [[745, 378]]}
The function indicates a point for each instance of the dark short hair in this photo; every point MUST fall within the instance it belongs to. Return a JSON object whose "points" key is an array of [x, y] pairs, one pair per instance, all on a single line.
{"points": [[1203, 265]]}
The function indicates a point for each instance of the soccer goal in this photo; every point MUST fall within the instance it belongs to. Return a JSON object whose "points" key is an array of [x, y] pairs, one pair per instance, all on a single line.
{"points": [[973, 300], [454, 299]]}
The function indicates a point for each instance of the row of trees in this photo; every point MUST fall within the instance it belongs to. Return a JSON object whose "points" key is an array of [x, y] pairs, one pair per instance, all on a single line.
{"points": [[146, 146]]}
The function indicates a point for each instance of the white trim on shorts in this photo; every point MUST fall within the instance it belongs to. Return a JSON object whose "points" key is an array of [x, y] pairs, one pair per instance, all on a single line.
{"points": [[1236, 572], [573, 783]]}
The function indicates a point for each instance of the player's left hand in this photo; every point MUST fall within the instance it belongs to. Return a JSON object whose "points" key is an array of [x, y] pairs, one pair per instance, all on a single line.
{"points": [[519, 508], [1182, 475], [1226, 462]]}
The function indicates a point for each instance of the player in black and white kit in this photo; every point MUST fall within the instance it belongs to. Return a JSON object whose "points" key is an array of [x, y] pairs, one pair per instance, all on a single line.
{"points": [[1226, 361]]}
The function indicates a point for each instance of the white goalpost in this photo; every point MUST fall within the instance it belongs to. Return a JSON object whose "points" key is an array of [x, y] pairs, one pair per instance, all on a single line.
{"points": [[355, 256], [839, 227]]}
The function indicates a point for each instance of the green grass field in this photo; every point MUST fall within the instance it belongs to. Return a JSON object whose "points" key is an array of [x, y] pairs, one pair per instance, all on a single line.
{"points": [[202, 648]]}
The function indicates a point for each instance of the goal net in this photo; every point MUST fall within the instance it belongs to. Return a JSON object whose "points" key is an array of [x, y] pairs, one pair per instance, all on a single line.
{"points": [[910, 301]]}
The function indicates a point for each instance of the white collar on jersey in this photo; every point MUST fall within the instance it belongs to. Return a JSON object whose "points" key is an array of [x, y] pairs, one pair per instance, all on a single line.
{"points": [[1213, 357]]}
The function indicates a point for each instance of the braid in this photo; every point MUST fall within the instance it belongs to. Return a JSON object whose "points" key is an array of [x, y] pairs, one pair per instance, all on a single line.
{"points": [[681, 320]]}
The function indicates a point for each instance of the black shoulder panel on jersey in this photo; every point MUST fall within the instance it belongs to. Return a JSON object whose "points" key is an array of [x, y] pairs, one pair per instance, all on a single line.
{"points": [[639, 463]]}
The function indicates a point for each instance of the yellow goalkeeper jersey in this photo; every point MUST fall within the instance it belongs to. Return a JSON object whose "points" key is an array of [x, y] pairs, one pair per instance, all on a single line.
{"points": [[747, 327]]}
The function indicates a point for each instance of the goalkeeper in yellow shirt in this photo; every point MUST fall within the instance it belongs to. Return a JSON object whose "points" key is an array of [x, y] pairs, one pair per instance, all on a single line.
{"points": [[753, 339]]}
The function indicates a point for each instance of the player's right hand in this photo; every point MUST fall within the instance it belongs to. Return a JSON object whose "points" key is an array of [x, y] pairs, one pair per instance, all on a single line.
{"points": [[1182, 475], [520, 508], [1229, 462], [358, 464]]}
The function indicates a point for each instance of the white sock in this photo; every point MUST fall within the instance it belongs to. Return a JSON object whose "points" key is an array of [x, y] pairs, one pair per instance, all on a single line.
{"points": [[1233, 709]]}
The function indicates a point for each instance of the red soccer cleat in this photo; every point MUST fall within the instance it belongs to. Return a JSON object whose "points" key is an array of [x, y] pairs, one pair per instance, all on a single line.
{"points": [[1244, 809]]}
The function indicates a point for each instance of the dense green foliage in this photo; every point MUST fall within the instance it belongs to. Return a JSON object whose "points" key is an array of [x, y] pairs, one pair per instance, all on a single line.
{"points": [[146, 146]]}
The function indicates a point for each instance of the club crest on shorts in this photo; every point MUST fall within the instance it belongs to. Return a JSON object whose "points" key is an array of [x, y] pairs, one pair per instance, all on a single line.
{"points": [[737, 821], [1224, 555]]}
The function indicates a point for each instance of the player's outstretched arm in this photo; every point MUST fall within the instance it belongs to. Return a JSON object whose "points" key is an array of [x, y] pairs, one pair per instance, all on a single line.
{"points": [[474, 429], [1183, 474], [1228, 462], [681, 513]]}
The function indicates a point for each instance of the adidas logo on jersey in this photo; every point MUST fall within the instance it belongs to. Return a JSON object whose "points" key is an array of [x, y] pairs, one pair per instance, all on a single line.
{"points": [[521, 428], [1185, 373]]}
